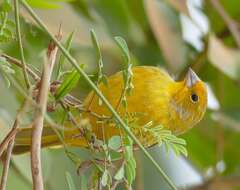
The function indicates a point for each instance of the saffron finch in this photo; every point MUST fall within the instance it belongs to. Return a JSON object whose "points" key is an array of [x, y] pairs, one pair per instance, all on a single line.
{"points": [[155, 97]]}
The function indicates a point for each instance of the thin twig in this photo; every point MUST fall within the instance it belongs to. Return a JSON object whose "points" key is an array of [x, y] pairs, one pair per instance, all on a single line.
{"points": [[19, 64], [232, 25], [99, 117], [71, 99], [39, 119], [6, 165], [18, 31]]}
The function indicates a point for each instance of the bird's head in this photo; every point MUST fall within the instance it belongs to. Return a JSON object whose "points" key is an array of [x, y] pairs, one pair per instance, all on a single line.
{"points": [[189, 99]]}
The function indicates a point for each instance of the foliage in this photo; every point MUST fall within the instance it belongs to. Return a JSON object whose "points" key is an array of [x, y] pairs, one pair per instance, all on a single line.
{"points": [[6, 24], [165, 137]]}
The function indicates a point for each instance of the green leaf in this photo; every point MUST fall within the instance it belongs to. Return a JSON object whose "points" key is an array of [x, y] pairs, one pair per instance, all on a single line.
{"points": [[68, 84], [114, 143], [165, 136], [128, 141], [123, 46], [100, 77], [128, 152], [105, 80], [120, 173], [95, 44], [130, 170], [128, 173], [70, 182], [105, 178], [149, 124], [132, 161], [183, 150], [62, 58], [127, 70]]}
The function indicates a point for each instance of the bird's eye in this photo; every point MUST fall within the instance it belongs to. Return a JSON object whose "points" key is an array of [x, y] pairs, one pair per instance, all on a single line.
{"points": [[194, 98]]}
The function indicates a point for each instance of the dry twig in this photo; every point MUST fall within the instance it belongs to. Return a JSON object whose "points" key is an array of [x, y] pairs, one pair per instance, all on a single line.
{"points": [[38, 122], [6, 165]]}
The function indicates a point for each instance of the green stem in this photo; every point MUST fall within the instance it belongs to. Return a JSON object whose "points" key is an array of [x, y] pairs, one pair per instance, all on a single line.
{"points": [[18, 31], [4, 22], [98, 92]]}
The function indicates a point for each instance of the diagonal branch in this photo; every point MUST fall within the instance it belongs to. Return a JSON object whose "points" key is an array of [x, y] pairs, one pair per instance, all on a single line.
{"points": [[38, 122]]}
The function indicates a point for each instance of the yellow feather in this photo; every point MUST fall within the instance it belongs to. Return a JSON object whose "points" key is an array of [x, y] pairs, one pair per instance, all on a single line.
{"points": [[155, 97]]}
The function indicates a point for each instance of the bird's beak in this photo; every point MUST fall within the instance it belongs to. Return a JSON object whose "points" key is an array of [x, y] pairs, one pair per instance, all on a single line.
{"points": [[191, 78]]}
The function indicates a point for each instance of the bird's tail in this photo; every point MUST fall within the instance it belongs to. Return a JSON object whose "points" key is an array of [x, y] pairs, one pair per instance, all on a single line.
{"points": [[49, 139]]}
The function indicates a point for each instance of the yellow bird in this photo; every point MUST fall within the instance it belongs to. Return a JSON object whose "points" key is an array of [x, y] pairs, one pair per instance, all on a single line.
{"points": [[156, 97]]}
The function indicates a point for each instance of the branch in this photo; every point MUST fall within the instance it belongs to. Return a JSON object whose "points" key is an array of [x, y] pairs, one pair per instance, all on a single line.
{"points": [[231, 24], [38, 122], [6, 165]]}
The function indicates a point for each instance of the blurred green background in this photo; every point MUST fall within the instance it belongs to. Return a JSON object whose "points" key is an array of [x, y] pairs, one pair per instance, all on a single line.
{"points": [[173, 34]]}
